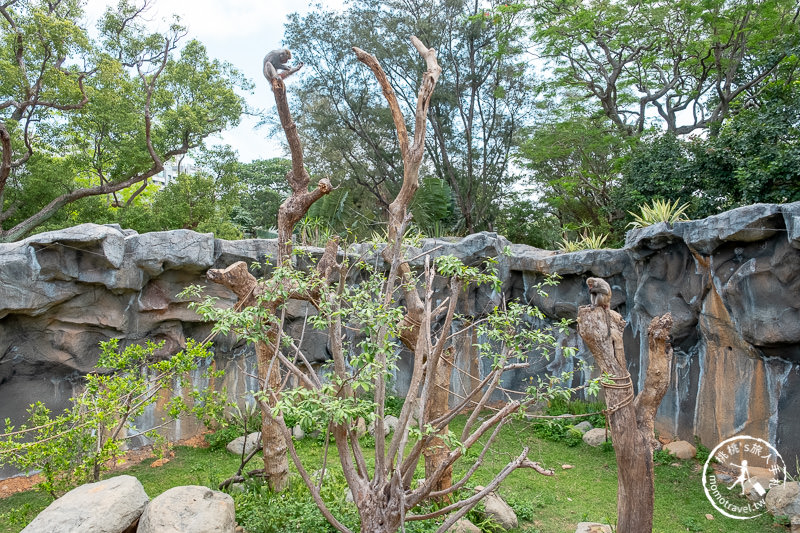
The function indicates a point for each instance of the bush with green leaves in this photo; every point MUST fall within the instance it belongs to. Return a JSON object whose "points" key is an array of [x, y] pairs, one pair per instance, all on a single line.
{"points": [[75, 446], [663, 457], [702, 450], [561, 429]]}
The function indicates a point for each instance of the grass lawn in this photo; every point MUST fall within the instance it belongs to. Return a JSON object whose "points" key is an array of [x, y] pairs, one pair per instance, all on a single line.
{"points": [[555, 504]]}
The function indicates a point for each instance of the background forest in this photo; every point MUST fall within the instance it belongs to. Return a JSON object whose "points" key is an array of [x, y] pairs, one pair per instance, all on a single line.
{"points": [[552, 118]]}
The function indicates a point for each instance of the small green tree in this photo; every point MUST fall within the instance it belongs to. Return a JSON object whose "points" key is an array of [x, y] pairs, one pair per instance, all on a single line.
{"points": [[77, 445], [265, 188]]}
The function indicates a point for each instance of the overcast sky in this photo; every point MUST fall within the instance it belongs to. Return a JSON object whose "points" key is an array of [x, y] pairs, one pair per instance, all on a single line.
{"points": [[240, 32]]}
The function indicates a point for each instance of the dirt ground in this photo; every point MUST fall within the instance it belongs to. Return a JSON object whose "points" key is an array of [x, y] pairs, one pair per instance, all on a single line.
{"points": [[132, 457]]}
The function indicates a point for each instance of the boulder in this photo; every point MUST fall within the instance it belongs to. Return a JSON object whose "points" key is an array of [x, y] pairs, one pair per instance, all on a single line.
{"points": [[298, 433], [113, 505], [463, 525], [595, 437], [784, 499], [681, 449], [584, 426], [593, 527], [189, 509], [361, 427], [500, 511], [390, 423], [249, 443]]}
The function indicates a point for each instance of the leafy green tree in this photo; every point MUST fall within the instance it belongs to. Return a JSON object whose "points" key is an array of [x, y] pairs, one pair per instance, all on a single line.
{"points": [[481, 102], [574, 164], [83, 117], [685, 63], [264, 187], [204, 200], [190, 202], [525, 221], [661, 167], [754, 157]]}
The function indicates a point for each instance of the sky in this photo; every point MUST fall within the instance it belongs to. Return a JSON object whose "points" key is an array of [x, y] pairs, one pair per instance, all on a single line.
{"points": [[240, 32]]}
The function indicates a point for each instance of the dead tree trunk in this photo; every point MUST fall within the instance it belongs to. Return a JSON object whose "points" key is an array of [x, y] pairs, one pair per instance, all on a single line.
{"points": [[630, 420], [244, 285], [383, 496]]}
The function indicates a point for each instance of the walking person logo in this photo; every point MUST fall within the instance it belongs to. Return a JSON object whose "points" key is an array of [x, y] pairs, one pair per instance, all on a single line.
{"points": [[757, 467]]}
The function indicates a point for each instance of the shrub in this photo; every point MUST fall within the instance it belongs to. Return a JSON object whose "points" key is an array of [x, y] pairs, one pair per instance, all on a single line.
{"points": [[77, 445], [573, 437]]}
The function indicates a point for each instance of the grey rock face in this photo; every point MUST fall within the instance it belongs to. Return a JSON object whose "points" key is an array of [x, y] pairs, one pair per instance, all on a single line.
{"points": [[731, 282], [109, 506], [189, 509]]}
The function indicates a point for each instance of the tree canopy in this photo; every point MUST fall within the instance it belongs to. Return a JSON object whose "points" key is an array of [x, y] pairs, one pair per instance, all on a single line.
{"points": [[480, 103], [551, 118], [84, 116], [680, 64]]}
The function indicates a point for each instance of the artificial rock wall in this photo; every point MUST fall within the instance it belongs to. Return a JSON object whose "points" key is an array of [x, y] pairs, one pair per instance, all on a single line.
{"points": [[731, 282]]}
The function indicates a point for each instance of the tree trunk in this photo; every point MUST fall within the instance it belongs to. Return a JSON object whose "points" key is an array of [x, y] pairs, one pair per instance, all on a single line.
{"points": [[380, 507], [437, 452], [276, 462], [630, 421], [276, 465]]}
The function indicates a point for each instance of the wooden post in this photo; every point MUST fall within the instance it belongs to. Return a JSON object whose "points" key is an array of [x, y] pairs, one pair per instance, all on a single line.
{"points": [[630, 419]]}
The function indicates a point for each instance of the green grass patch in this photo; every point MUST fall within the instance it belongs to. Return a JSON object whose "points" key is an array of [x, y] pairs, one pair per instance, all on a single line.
{"points": [[555, 504]]}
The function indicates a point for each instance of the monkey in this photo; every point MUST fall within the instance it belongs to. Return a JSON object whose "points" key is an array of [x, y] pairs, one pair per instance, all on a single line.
{"points": [[600, 295], [275, 61], [599, 292]]}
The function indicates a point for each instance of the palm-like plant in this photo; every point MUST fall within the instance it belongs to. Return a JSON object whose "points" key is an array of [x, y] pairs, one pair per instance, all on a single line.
{"points": [[659, 211], [587, 241]]}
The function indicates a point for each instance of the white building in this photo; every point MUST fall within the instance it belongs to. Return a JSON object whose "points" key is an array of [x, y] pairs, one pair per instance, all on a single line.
{"points": [[171, 171]]}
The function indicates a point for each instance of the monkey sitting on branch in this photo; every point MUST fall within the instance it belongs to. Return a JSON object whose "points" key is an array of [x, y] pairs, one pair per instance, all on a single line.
{"points": [[276, 60]]}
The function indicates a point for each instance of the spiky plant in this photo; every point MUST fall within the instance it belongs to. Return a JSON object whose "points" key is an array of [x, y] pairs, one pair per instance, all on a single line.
{"points": [[659, 211]]}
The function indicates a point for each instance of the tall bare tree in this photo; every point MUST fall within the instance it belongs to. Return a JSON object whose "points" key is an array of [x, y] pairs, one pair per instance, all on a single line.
{"points": [[246, 287], [384, 495]]}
